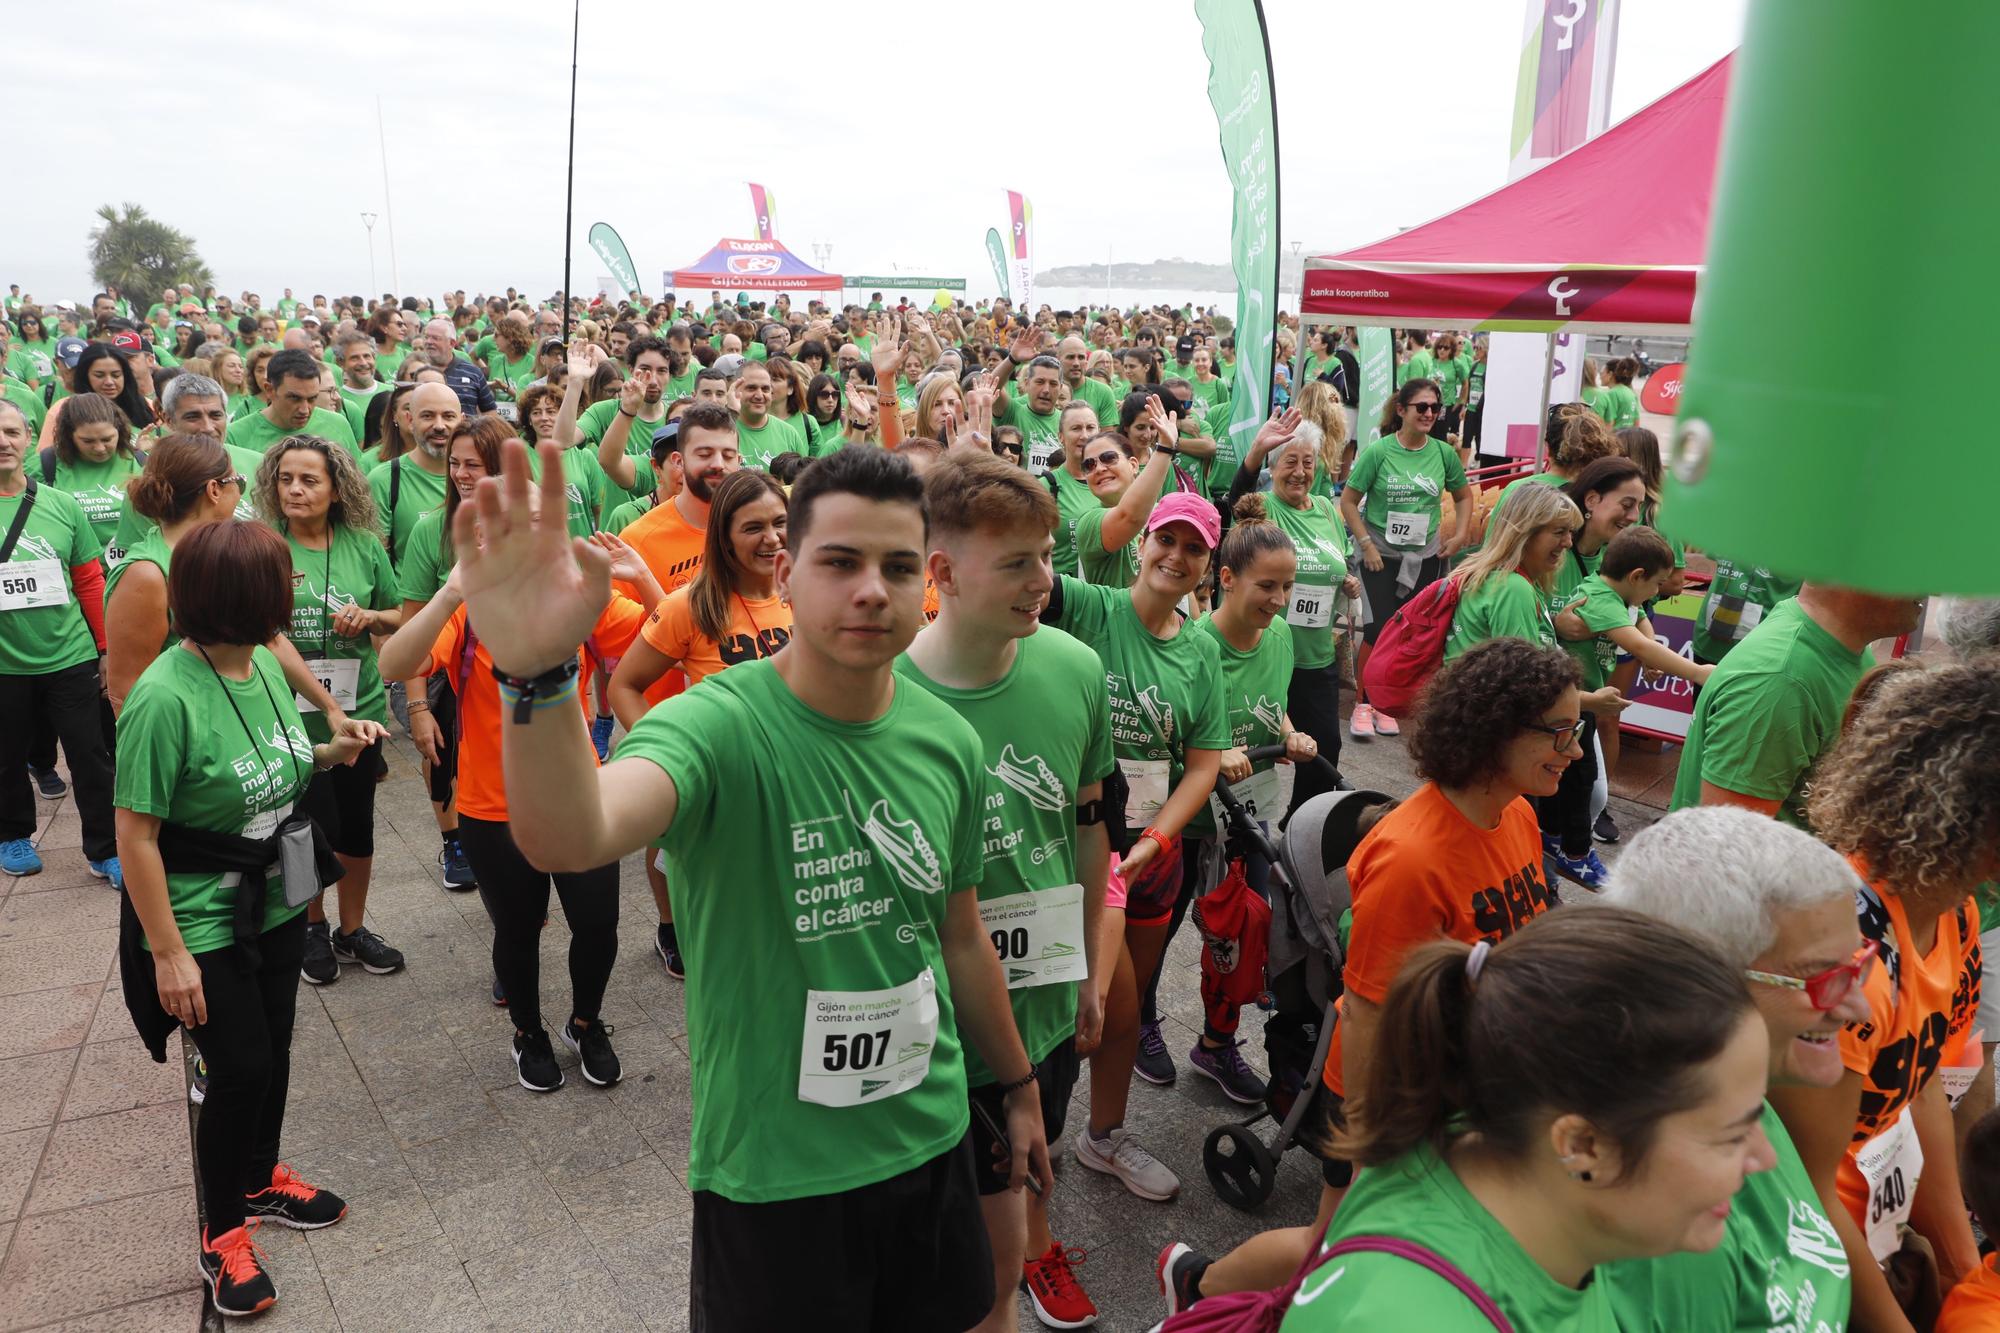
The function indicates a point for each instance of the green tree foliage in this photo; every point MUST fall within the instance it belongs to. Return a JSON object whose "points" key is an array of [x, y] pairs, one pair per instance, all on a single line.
{"points": [[140, 255]]}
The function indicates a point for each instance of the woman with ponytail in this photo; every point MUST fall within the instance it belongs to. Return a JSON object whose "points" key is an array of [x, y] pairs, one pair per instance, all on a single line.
{"points": [[1588, 1090]]}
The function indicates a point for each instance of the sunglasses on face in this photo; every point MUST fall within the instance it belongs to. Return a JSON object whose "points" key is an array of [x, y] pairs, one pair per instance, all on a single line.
{"points": [[1825, 989], [1105, 459], [1561, 734], [1426, 409]]}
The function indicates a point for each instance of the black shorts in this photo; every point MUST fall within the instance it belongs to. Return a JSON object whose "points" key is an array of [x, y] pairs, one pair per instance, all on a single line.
{"points": [[906, 1253], [1055, 1079], [1319, 1129], [342, 802]]}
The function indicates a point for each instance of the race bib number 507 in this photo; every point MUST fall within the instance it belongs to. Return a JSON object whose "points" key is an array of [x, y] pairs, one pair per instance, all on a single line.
{"points": [[867, 1045]]}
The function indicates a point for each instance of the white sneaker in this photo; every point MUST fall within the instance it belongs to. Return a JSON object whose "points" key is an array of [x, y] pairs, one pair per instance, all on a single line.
{"points": [[1122, 1155]]}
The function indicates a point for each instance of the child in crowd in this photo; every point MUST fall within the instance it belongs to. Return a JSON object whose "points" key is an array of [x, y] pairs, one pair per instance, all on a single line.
{"points": [[1974, 1304]]}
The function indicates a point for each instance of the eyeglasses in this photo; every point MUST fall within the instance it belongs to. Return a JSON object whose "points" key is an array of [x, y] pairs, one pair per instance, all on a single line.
{"points": [[1426, 409], [1825, 989], [239, 481], [829, 393], [1105, 459], [1561, 734]]}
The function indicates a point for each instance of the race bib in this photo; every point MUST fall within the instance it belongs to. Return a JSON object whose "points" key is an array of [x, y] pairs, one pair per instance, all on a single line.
{"points": [[1038, 935], [1958, 1071], [339, 677], [1891, 1164], [867, 1045], [1145, 790], [264, 824], [1264, 796], [27, 584], [507, 410], [1408, 529], [1039, 454], [1312, 606]]}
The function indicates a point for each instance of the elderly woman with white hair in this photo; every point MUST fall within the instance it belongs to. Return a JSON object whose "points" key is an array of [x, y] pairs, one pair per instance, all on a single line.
{"points": [[1779, 904]]}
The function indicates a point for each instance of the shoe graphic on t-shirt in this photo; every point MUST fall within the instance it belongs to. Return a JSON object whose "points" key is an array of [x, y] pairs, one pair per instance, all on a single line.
{"points": [[902, 844], [1158, 711], [1031, 777]]}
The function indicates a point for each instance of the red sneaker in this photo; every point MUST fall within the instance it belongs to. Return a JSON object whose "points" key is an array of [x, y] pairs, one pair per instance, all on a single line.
{"points": [[1052, 1286]]}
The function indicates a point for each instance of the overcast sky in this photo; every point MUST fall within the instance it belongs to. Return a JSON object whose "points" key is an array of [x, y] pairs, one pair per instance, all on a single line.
{"points": [[891, 130]]}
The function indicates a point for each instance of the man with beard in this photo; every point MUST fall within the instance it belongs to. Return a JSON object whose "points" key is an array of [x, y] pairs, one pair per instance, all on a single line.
{"points": [[621, 429], [438, 347], [1074, 353], [681, 366], [355, 352], [407, 486]]}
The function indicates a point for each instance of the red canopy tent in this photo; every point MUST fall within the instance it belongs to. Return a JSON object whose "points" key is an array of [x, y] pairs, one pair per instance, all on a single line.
{"points": [[754, 265], [1606, 239]]}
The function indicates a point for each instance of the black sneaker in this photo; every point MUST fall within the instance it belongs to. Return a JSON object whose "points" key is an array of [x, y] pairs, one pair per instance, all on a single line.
{"points": [[535, 1061], [1179, 1269], [233, 1267], [593, 1047], [499, 993], [320, 967], [290, 1202], [1152, 1061], [49, 783], [1605, 830], [669, 948], [458, 876], [367, 948]]}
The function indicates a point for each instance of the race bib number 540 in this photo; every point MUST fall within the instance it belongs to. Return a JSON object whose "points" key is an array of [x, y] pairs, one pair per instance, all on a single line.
{"points": [[867, 1045]]}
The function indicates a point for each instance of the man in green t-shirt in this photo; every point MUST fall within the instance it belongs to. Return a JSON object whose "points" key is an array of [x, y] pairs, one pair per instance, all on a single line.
{"points": [[619, 431], [761, 436], [355, 353], [1035, 413], [293, 377], [1774, 704], [1074, 353], [826, 1009], [1038, 700]]}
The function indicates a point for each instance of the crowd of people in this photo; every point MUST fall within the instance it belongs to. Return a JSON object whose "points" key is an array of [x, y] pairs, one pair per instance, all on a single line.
{"points": [[908, 649]]}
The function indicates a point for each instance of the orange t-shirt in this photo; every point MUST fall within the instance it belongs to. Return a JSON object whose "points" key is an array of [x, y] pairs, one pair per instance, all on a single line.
{"points": [[1973, 1306], [482, 790], [672, 548], [1919, 1009], [756, 629], [1426, 872]]}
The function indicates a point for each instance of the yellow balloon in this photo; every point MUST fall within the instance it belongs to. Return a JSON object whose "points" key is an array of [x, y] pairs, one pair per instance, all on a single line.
{"points": [[940, 299]]}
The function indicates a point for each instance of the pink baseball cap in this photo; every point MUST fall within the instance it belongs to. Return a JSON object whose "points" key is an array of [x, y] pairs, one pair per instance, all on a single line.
{"points": [[1187, 507]]}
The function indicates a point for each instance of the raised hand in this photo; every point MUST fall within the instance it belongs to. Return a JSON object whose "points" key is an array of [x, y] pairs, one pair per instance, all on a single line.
{"points": [[626, 563], [1164, 421], [1277, 432], [1025, 345], [532, 592], [631, 396], [887, 356]]}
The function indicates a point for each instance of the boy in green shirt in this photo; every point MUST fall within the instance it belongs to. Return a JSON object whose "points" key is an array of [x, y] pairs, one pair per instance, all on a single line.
{"points": [[1611, 604]]}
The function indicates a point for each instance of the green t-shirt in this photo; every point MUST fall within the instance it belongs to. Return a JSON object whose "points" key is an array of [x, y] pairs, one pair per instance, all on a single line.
{"points": [[1420, 366], [1619, 405], [1738, 597], [242, 405], [758, 447], [1110, 569], [823, 438], [625, 515], [38, 639], [1602, 610], [1074, 499], [1166, 694], [186, 756], [1041, 433], [515, 375], [421, 566], [1769, 712], [1401, 481], [1506, 606], [353, 568], [1320, 539], [1570, 574], [1255, 685], [29, 401], [1098, 394], [1780, 1264], [856, 834], [416, 493], [1045, 728], [1449, 374], [150, 549], [595, 422], [1418, 1198], [256, 433], [354, 406], [99, 489], [681, 385], [389, 363]]}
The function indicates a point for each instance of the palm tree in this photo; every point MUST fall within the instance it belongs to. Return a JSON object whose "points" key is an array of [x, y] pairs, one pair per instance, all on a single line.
{"points": [[138, 253]]}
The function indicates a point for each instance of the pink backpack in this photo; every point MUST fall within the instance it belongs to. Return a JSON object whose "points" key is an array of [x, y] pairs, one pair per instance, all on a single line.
{"points": [[1263, 1311]]}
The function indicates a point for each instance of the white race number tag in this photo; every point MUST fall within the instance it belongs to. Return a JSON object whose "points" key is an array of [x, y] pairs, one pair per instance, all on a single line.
{"points": [[1265, 796], [1891, 1164], [27, 584], [1312, 606], [1145, 790], [867, 1045], [507, 410], [1408, 529], [338, 676], [1038, 935]]}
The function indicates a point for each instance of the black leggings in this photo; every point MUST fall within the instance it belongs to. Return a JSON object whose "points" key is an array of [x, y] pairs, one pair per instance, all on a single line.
{"points": [[247, 1045], [517, 899], [1314, 705], [1567, 813], [1383, 598]]}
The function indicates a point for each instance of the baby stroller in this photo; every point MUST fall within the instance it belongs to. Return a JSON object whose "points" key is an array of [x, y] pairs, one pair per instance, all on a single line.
{"points": [[1304, 957]]}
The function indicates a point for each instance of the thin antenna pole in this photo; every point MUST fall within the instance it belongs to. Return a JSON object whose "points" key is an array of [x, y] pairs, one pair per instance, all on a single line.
{"points": [[388, 204], [569, 191]]}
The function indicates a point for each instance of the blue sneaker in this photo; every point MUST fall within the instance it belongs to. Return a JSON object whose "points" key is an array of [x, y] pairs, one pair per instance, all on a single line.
{"points": [[1586, 870], [109, 869], [17, 857], [600, 736]]}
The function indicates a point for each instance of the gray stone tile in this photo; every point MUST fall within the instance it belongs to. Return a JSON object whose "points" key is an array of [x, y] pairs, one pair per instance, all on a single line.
{"points": [[20, 1157], [322, 1116], [468, 1157], [391, 1220], [547, 1283], [304, 1306], [60, 1266], [573, 1133], [625, 1199], [501, 1213], [120, 1075], [43, 964], [35, 1086], [113, 1157], [359, 1169], [399, 1050], [163, 1314], [58, 912], [422, 1286], [360, 992], [438, 1109], [651, 1267]]}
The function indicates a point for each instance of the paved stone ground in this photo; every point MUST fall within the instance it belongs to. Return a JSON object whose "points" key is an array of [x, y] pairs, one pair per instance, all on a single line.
{"points": [[475, 1204]]}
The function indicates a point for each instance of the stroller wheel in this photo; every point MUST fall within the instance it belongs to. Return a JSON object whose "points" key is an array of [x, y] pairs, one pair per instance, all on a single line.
{"points": [[1240, 1168]]}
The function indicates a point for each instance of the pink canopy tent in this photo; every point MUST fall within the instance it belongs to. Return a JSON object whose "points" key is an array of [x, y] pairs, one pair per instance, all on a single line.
{"points": [[754, 265], [1606, 239]]}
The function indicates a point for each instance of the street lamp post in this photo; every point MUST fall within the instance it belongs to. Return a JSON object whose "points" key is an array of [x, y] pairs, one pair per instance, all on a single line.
{"points": [[1300, 266], [374, 286]]}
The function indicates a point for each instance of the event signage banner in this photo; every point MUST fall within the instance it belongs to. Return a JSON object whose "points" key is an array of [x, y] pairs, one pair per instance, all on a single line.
{"points": [[1021, 216], [1378, 378], [605, 241], [763, 204], [905, 282], [996, 251], [1662, 703], [1563, 96], [1239, 88]]}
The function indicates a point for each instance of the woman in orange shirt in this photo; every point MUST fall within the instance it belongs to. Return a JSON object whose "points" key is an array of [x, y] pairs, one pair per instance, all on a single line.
{"points": [[439, 638], [728, 613], [1908, 794]]}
